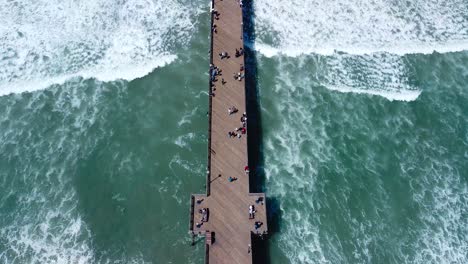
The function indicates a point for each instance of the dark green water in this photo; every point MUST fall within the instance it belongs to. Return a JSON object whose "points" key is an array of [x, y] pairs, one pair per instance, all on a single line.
{"points": [[364, 156], [96, 172], [361, 179]]}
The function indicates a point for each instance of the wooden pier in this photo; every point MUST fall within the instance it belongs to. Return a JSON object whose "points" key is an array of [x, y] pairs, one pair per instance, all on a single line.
{"points": [[228, 215]]}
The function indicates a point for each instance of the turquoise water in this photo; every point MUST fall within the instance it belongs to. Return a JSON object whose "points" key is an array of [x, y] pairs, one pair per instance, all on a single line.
{"points": [[361, 179], [364, 130]]}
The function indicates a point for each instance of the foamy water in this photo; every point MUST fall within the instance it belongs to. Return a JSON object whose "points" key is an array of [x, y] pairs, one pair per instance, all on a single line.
{"points": [[78, 186], [361, 179], [362, 26], [358, 30], [358, 178], [382, 74], [49, 42], [44, 224]]}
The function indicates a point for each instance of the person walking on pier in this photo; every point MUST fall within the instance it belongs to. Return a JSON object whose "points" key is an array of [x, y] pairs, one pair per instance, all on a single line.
{"points": [[239, 52], [258, 224], [251, 212], [223, 55], [232, 110], [215, 13], [231, 179]]}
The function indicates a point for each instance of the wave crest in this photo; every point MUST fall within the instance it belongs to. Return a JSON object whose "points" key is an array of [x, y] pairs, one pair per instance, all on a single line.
{"points": [[49, 42], [361, 27]]}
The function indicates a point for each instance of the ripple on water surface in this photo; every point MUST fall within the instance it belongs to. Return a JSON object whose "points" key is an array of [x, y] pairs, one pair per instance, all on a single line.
{"points": [[49, 42], [362, 179]]}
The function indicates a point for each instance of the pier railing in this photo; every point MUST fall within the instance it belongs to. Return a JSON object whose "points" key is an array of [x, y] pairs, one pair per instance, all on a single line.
{"points": [[207, 254], [227, 197], [192, 206], [210, 104]]}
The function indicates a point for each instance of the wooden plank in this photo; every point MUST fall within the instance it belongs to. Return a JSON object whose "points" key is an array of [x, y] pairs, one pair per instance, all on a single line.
{"points": [[228, 202]]}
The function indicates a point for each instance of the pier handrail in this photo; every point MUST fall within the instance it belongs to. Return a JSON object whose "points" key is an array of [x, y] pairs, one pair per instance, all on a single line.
{"points": [[207, 252], [210, 104], [192, 206]]}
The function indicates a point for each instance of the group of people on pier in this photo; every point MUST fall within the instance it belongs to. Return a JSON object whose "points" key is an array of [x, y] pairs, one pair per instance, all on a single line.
{"points": [[239, 131], [204, 212], [239, 52], [229, 64], [252, 212]]}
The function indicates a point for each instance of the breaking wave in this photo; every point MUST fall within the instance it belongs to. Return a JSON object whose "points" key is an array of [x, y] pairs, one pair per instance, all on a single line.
{"points": [[49, 42], [376, 35], [361, 27]]}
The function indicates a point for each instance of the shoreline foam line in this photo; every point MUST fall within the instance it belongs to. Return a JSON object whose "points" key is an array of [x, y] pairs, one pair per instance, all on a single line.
{"points": [[49, 42], [361, 27], [270, 51], [125, 72], [406, 95]]}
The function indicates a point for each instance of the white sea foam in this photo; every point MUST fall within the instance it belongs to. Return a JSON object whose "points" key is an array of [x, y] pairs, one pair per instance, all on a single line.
{"points": [[361, 27], [296, 144], [187, 118], [184, 140], [442, 195], [47, 223], [45, 244], [45, 226], [48, 42], [270, 51], [390, 95], [380, 74], [307, 152]]}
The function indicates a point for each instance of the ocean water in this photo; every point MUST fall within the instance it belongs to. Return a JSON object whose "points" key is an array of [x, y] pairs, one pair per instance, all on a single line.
{"points": [[364, 129]]}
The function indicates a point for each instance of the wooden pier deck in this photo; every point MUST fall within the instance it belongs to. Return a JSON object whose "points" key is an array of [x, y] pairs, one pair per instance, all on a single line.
{"points": [[228, 229]]}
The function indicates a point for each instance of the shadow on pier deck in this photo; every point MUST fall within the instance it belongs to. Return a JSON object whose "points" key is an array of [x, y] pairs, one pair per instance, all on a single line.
{"points": [[229, 216]]}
